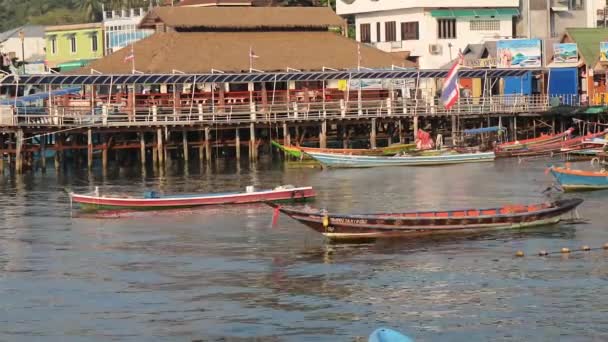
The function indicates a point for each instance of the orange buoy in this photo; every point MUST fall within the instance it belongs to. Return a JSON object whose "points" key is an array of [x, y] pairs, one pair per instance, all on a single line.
{"points": [[519, 254], [565, 250]]}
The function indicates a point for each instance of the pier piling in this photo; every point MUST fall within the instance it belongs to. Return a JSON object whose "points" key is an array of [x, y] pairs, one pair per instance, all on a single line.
{"points": [[415, 126], [42, 152], [18, 151], [372, 135], [237, 145], [142, 149], [208, 144], [89, 149], [159, 148], [252, 148], [185, 145], [323, 135]]}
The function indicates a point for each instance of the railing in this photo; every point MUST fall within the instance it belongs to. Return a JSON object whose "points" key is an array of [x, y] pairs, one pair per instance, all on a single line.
{"points": [[238, 113]]}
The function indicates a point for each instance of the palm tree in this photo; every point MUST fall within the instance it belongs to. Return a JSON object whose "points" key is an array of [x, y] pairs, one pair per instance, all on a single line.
{"points": [[91, 9]]}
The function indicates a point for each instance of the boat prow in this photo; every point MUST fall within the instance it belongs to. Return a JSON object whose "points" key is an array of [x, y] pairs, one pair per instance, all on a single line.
{"points": [[579, 180]]}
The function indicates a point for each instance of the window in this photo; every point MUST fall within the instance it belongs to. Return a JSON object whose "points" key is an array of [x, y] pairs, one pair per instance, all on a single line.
{"points": [[446, 28], [409, 31], [53, 45], [390, 31], [485, 25], [377, 32], [94, 43], [73, 44], [365, 33]]}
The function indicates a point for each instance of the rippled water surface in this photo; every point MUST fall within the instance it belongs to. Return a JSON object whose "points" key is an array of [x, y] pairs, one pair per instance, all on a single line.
{"points": [[224, 273]]}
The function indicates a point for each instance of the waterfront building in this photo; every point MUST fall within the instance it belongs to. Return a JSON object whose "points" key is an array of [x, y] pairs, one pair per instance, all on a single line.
{"points": [[121, 28], [72, 46], [25, 43], [432, 32]]}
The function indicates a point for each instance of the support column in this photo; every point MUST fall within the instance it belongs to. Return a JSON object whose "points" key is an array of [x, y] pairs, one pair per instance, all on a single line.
{"points": [[400, 128], [252, 147], [208, 144], [201, 147], [58, 151], [237, 144], [42, 153], [455, 139], [372, 135], [344, 136], [514, 128], [286, 135], [1, 154], [415, 123], [89, 149], [185, 145], [323, 135], [18, 151], [142, 149], [159, 148], [104, 154]]}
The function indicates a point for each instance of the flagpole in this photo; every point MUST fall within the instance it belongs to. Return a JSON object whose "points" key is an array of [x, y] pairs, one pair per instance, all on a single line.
{"points": [[250, 59], [132, 59]]}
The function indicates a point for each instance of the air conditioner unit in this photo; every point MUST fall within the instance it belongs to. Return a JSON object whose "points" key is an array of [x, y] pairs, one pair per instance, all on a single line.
{"points": [[435, 49]]}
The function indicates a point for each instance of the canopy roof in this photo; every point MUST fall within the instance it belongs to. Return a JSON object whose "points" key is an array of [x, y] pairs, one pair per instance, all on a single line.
{"points": [[58, 79]]}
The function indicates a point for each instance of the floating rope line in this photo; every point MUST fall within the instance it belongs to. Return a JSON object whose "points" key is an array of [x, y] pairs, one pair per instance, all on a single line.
{"points": [[565, 250]]}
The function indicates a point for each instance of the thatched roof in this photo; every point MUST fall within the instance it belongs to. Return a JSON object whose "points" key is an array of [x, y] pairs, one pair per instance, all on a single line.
{"points": [[242, 18], [199, 52]]}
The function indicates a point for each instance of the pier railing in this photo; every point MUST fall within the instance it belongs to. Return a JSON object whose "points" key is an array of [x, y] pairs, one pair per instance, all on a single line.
{"points": [[230, 114]]}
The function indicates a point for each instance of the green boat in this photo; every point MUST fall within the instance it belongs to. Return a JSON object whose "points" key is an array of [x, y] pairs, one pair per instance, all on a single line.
{"points": [[299, 152]]}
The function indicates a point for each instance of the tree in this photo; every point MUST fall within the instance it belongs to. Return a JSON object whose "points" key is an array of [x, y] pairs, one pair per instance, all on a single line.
{"points": [[91, 9]]}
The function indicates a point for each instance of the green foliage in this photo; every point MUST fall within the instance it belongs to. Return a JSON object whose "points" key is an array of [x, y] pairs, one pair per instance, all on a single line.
{"points": [[14, 13]]}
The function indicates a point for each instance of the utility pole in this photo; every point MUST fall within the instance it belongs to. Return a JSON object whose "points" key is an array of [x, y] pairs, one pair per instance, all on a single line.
{"points": [[22, 38]]}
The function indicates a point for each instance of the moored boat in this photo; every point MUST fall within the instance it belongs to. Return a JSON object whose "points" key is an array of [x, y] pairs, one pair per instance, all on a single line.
{"points": [[413, 224], [579, 180], [549, 147], [154, 201], [338, 160], [542, 139], [297, 151]]}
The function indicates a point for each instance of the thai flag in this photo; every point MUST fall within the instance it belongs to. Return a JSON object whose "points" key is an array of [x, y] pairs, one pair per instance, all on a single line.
{"points": [[450, 92]]}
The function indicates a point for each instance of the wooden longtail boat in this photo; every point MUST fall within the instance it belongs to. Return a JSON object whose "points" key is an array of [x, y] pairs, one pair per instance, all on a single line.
{"points": [[153, 201], [337, 160], [413, 224], [548, 147], [579, 180], [542, 139], [296, 151]]}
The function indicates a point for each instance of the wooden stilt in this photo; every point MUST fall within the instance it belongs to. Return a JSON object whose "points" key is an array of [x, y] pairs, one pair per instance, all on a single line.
{"points": [[400, 128], [455, 139], [18, 151], [1, 154], [201, 147], [142, 149], [159, 148], [415, 126], [208, 144], [185, 145], [104, 155], [514, 128], [89, 149], [252, 147], [42, 152], [372, 135], [323, 135], [238, 145], [58, 151], [286, 134], [344, 136]]}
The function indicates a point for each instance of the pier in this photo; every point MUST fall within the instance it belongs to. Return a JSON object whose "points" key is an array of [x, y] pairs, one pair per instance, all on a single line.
{"points": [[173, 116]]}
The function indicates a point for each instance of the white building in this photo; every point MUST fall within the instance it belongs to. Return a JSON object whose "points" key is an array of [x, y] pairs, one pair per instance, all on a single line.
{"points": [[33, 43], [120, 28], [432, 31]]}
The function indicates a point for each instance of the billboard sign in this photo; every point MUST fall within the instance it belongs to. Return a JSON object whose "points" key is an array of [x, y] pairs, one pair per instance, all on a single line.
{"points": [[565, 53], [519, 53]]}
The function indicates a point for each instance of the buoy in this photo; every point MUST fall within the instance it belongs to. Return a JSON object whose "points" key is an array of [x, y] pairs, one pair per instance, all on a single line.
{"points": [[519, 254], [325, 221], [543, 253], [586, 248], [565, 250], [606, 245]]}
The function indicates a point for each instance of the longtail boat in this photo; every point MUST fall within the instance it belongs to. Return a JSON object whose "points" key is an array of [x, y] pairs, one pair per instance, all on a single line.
{"points": [[579, 180], [296, 151], [542, 139], [153, 201], [571, 144], [421, 223], [338, 160]]}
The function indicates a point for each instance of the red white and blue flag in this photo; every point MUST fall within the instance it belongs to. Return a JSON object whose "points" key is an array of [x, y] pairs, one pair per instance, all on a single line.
{"points": [[450, 92]]}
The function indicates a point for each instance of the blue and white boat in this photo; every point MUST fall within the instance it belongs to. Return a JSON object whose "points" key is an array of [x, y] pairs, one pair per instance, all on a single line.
{"points": [[578, 180], [339, 160]]}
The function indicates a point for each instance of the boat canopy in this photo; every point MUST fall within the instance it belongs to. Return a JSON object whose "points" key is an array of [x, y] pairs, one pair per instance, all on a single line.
{"points": [[39, 96], [484, 130]]}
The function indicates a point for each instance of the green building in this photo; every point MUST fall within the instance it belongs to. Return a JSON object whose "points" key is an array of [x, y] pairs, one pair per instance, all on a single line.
{"points": [[73, 46]]}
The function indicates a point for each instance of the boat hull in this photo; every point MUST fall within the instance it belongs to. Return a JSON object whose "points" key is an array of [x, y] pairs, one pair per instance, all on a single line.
{"points": [[374, 226], [578, 180], [94, 203], [333, 160]]}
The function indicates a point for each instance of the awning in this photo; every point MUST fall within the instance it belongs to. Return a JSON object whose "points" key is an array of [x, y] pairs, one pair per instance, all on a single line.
{"points": [[483, 130], [473, 13], [71, 65], [40, 96]]}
